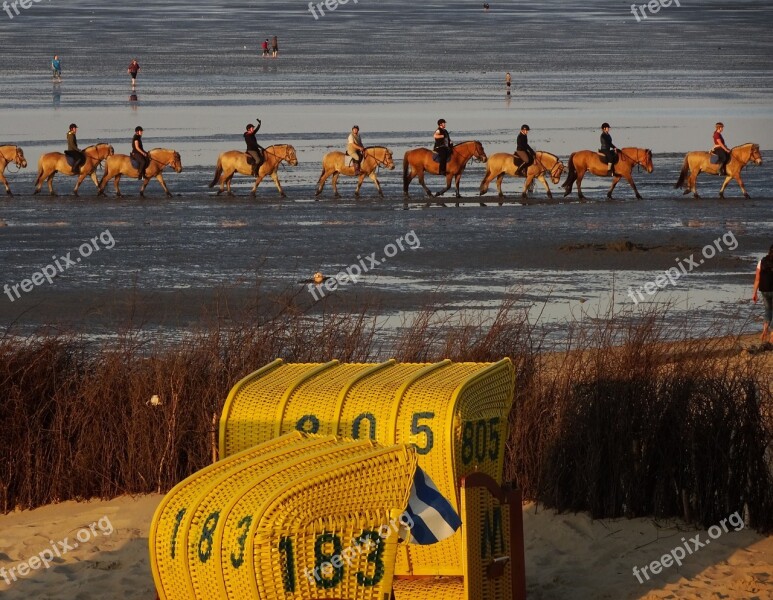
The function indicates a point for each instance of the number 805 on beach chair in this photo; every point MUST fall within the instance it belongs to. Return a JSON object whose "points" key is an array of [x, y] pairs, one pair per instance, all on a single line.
{"points": [[454, 415]]}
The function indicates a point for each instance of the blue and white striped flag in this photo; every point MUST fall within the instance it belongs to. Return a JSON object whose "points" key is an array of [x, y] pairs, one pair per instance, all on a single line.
{"points": [[434, 518]]}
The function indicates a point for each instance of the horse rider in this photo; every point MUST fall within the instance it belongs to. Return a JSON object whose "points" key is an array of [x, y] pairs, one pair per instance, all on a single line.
{"points": [[608, 149], [720, 149], [523, 151], [138, 153], [355, 149], [254, 150], [78, 158], [443, 145]]}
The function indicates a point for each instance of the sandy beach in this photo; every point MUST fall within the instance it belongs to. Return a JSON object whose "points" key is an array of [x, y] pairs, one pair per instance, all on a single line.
{"points": [[568, 557]]}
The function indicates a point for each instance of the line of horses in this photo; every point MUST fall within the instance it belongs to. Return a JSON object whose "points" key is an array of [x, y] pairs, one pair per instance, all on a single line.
{"points": [[416, 164]]}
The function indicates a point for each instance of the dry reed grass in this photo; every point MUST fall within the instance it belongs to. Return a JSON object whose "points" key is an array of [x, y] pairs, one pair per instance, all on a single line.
{"points": [[621, 422]]}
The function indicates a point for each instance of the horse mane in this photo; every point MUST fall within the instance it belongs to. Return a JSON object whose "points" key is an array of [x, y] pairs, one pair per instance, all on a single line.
{"points": [[549, 154], [752, 144], [372, 147], [95, 145]]}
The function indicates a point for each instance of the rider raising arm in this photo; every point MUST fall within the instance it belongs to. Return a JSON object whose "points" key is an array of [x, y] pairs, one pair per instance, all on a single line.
{"points": [[254, 150]]}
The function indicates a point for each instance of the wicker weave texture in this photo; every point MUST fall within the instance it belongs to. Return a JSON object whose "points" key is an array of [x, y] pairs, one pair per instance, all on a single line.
{"points": [[454, 414], [440, 588], [257, 520]]}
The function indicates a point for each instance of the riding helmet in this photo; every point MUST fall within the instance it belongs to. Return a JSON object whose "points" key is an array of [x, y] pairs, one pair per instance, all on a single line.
{"points": [[138, 129], [441, 121], [73, 126], [526, 127], [605, 125]]}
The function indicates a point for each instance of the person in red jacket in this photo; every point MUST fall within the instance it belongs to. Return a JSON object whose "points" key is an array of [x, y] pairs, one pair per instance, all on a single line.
{"points": [[134, 68]]}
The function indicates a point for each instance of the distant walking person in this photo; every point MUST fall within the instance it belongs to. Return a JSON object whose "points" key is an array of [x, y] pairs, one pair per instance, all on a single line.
{"points": [[138, 153], [720, 149], [134, 68], [508, 80], [56, 68], [73, 151], [442, 145], [264, 45], [763, 282], [274, 47]]}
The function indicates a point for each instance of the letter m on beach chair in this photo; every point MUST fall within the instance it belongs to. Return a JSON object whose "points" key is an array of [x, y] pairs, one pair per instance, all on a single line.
{"points": [[492, 549]]}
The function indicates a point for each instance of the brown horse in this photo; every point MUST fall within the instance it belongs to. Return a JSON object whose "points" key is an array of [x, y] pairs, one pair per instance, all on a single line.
{"points": [[235, 161], [10, 154], [502, 163], [590, 160], [55, 162], [696, 163], [419, 160], [337, 163], [121, 164]]}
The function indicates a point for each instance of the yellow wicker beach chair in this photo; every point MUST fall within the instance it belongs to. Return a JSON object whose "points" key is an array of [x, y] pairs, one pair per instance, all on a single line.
{"points": [[453, 414], [264, 523]]}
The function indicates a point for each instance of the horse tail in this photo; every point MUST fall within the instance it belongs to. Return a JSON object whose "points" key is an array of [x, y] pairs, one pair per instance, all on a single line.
{"points": [[406, 166], [40, 171], [683, 173], [218, 172], [571, 176]]}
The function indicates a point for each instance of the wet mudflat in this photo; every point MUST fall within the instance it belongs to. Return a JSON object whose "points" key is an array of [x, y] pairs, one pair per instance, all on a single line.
{"points": [[393, 68]]}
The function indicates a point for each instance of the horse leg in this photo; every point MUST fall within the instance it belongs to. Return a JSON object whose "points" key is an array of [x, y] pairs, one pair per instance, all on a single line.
{"points": [[5, 183], [321, 182], [160, 179], [725, 183], [278, 185], [545, 183], [424, 185], [580, 175], [615, 181], [485, 182], [145, 183], [227, 181], [258, 179], [449, 179], [500, 179], [693, 183], [630, 181], [116, 181], [377, 183], [51, 184], [360, 179], [334, 183], [458, 179], [526, 183], [38, 182]]}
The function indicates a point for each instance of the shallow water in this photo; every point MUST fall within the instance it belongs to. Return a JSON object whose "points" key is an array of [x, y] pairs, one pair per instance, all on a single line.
{"points": [[394, 68]]}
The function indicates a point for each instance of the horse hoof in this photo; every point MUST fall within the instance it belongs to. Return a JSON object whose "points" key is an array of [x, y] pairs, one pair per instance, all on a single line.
{"points": [[639, 197], [457, 205], [483, 204], [8, 193], [169, 194], [483, 192], [566, 194], [443, 204], [550, 196], [684, 193], [697, 197], [747, 196]]}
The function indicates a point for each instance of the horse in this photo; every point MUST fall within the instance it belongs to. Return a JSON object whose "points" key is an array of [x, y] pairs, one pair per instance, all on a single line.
{"points": [[419, 160], [55, 162], [698, 162], [502, 163], [10, 154], [229, 163], [589, 160], [121, 164], [336, 164]]}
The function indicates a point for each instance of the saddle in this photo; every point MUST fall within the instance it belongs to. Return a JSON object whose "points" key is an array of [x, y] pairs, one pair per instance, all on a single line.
{"points": [[135, 163], [713, 158], [70, 159], [603, 156], [436, 156]]}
